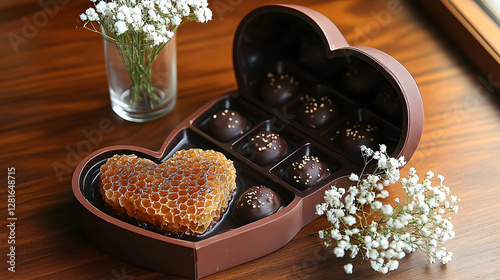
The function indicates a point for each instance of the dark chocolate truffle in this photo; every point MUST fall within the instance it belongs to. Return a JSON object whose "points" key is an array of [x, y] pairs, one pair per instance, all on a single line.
{"points": [[388, 104], [360, 78], [226, 125], [256, 203], [356, 134], [316, 111], [307, 171], [267, 147], [278, 89]]}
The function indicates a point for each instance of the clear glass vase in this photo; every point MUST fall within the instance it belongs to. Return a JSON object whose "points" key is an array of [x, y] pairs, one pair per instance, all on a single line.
{"points": [[142, 79]]}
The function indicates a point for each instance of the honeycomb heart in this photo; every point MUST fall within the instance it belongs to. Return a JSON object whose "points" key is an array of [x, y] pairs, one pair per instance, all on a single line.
{"points": [[187, 194]]}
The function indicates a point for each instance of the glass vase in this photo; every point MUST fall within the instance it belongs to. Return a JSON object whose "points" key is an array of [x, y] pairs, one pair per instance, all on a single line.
{"points": [[142, 79]]}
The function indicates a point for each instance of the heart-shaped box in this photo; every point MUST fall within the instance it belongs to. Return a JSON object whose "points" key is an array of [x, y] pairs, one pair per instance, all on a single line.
{"points": [[365, 86]]}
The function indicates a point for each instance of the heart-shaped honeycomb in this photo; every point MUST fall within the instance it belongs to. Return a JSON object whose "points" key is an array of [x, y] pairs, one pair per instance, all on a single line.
{"points": [[187, 194]]}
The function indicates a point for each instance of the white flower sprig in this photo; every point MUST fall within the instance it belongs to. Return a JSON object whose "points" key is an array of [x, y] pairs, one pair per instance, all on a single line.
{"points": [[143, 21], [141, 29], [363, 222]]}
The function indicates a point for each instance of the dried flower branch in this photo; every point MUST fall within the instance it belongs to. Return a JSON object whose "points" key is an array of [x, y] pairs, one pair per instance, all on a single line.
{"points": [[361, 223]]}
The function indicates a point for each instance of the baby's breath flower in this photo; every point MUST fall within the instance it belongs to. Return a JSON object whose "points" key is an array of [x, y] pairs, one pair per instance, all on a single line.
{"points": [[129, 21], [101, 7], [120, 27], [377, 205], [353, 177], [385, 233], [339, 252], [91, 14], [349, 220], [441, 178], [348, 268], [387, 210], [383, 148], [335, 234]]}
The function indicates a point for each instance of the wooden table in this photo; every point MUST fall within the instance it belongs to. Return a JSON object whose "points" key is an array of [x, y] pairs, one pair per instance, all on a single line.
{"points": [[54, 94]]}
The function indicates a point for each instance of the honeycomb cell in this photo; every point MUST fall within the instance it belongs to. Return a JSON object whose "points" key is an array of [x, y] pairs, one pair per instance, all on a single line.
{"points": [[167, 216], [154, 196], [200, 204], [186, 194], [178, 178], [201, 182], [177, 221], [182, 199], [145, 203], [156, 205], [109, 194]]}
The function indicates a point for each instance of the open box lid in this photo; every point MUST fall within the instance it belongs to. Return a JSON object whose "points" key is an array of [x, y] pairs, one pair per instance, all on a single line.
{"points": [[365, 84]]}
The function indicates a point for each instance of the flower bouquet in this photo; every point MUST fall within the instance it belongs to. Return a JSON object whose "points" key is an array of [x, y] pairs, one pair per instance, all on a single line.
{"points": [[364, 222], [138, 31]]}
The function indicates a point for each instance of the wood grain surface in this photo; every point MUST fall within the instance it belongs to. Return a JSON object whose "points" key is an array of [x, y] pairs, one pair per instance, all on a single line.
{"points": [[55, 110]]}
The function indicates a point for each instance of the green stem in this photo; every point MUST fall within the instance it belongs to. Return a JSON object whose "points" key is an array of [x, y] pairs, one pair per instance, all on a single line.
{"points": [[138, 60]]}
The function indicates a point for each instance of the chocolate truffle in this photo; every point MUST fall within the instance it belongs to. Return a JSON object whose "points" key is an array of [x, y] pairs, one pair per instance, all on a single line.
{"points": [[226, 125], [267, 147], [356, 134], [307, 171], [360, 78], [256, 203], [388, 104], [278, 89], [316, 112]]}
